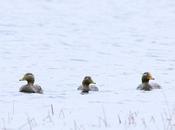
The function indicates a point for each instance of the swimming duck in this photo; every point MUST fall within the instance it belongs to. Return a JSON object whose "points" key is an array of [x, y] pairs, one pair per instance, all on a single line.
{"points": [[30, 87], [145, 83], [88, 85]]}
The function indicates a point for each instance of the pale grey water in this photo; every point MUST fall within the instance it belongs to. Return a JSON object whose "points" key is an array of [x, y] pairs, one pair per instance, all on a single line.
{"points": [[62, 41]]}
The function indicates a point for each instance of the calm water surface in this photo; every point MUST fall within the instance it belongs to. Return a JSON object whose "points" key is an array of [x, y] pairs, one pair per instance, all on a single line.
{"points": [[62, 41]]}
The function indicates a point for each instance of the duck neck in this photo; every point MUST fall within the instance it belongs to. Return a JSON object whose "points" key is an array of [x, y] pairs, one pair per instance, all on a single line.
{"points": [[85, 83], [86, 86], [30, 83], [145, 80], [145, 83]]}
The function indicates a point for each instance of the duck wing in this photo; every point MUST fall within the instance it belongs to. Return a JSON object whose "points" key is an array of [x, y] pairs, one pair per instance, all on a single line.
{"points": [[155, 86], [38, 89], [93, 87]]}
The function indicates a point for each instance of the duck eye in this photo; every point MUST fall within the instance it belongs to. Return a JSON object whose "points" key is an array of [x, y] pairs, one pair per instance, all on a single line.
{"points": [[145, 74]]}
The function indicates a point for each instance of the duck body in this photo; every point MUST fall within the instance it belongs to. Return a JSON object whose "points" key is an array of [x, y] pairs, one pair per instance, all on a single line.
{"points": [[87, 85], [146, 85], [92, 87], [30, 87]]}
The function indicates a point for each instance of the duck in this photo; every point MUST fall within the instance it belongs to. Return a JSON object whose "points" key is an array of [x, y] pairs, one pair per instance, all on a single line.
{"points": [[88, 85], [145, 82], [30, 87]]}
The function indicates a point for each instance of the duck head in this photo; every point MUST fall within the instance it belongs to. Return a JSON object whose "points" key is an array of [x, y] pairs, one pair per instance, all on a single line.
{"points": [[87, 80], [29, 77], [146, 77]]}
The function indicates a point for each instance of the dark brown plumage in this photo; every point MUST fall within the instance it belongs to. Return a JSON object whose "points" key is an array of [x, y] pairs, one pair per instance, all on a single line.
{"points": [[145, 83], [87, 85], [30, 87]]}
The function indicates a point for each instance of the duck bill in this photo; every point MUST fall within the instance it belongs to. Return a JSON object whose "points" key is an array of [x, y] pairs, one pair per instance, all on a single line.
{"points": [[152, 78], [21, 79], [93, 82]]}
